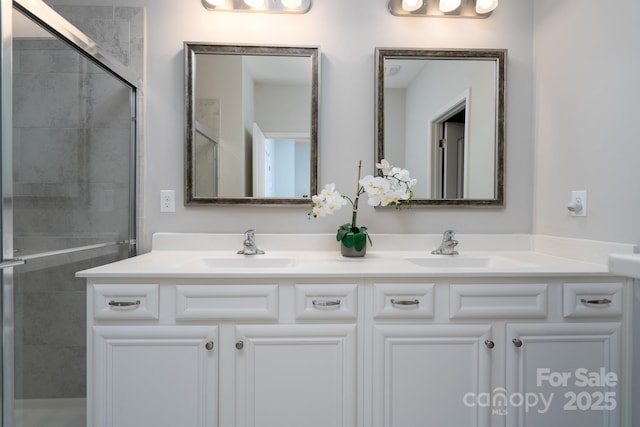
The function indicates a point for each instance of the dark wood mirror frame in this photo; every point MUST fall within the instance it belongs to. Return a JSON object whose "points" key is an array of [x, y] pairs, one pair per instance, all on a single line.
{"points": [[191, 50], [499, 56]]}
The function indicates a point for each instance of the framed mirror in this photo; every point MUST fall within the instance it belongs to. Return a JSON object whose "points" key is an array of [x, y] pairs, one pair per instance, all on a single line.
{"points": [[440, 114], [251, 125]]}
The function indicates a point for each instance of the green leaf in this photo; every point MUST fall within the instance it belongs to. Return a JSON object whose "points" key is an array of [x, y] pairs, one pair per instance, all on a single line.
{"points": [[353, 236], [360, 240], [342, 231], [348, 240]]}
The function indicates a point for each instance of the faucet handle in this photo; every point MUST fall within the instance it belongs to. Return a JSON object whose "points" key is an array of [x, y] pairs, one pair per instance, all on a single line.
{"points": [[249, 243], [448, 244]]}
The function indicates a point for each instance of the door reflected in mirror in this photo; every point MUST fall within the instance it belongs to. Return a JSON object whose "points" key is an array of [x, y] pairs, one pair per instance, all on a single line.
{"points": [[252, 123], [441, 114]]}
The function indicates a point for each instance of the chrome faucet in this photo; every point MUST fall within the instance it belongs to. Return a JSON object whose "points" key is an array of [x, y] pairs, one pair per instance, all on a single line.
{"points": [[447, 247], [249, 244]]}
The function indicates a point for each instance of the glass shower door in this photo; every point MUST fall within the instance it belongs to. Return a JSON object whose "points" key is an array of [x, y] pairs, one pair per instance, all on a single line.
{"points": [[69, 180]]}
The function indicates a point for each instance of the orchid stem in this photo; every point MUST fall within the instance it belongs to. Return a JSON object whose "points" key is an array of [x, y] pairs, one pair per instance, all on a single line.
{"points": [[354, 216]]}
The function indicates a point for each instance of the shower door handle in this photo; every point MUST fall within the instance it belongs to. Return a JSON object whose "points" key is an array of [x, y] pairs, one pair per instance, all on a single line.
{"points": [[12, 262]]}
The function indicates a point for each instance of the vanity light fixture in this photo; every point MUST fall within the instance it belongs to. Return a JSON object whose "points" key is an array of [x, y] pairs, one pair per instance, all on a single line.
{"points": [[447, 6], [264, 6], [443, 8], [486, 6], [291, 4], [411, 5]]}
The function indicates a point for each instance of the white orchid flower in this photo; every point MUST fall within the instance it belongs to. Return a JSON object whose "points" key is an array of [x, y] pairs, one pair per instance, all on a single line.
{"points": [[384, 166], [327, 202], [391, 186]]}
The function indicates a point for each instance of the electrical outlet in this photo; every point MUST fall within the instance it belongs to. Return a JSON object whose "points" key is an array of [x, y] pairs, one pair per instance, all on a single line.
{"points": [[167, 201], [578, 204]]}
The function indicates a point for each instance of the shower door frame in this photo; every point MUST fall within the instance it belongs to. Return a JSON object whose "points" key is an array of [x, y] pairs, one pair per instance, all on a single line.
{"points": [[51, 20]]}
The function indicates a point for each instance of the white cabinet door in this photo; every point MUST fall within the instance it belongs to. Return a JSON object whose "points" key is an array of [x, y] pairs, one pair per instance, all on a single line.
{"points": [[296, 375], [430, 375], [563, 375], [160, 376]]}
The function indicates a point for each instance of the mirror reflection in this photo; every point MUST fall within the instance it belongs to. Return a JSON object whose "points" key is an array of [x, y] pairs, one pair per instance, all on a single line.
{"points": [[441, 114], [252, 119]]}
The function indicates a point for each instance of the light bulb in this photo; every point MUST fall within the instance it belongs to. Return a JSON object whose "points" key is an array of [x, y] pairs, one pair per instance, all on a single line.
{"points": [[449, 5], [254, 3], [486, 6], [411, 5], [214, 2], [291, 4]]}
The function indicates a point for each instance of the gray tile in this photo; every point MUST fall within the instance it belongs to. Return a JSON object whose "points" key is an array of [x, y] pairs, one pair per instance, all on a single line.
{"points": [[62, 60], [52, 372], [47, 100], [136, 18], [79, 15]]}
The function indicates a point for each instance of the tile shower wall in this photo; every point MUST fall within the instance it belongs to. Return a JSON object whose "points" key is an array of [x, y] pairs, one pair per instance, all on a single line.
{"points": [[71, 126], [71, 182], [118, 30], [121, 32], [50, 337]]}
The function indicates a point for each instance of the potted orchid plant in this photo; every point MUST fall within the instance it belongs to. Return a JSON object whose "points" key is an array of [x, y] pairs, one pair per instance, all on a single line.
{"points": [[392, 186]]}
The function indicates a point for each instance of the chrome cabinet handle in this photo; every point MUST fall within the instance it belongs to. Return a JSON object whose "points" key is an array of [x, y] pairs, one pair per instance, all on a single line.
{"points": [[240, 345], [405, 302], [332, 303], [124, 303], [596, 301], [209, 345], [517, 342], [489, 343]]}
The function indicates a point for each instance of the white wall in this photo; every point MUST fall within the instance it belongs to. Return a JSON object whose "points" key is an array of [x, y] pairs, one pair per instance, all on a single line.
{"points": [[347, 33], [587, 119], [395, 126], [283, 108]]}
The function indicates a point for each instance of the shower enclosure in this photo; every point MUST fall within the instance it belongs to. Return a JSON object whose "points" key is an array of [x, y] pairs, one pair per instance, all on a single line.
{"points": [[68, 203]]}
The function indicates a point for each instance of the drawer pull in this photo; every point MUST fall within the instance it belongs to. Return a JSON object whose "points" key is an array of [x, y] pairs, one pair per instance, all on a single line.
{"points": [[209, 345], [489, 343], [332, 303], [405, 302], [240, 345], [124, 303], [517, 342], [602, 301]]}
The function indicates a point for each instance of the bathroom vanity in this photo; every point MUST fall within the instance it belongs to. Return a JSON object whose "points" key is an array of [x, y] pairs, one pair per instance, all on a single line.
{"points": [[511, 332]]}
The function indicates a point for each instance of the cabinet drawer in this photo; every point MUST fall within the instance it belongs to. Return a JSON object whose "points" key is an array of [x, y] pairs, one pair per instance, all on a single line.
{"points": [[403, 301], [515, 301], [592, 300], [222, 302], [330, 301], [127, 302]]}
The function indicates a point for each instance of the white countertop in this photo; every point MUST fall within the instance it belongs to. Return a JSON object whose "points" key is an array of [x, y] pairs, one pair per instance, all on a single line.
{"points": [[201, 255], [625, 265]]}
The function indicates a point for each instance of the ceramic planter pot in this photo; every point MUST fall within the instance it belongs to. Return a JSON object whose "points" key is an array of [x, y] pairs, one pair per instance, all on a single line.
{"points": [[352, 251]]}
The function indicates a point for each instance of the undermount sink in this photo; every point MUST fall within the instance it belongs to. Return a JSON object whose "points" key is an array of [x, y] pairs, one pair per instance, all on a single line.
{"points": [[463, 261], [247, 261]]}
